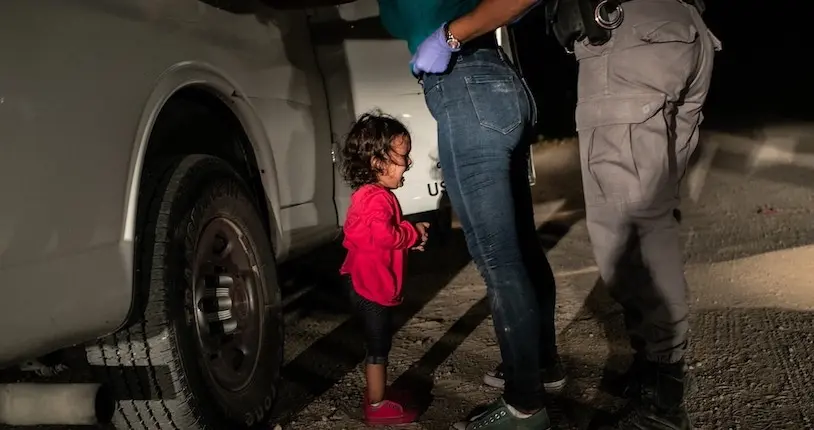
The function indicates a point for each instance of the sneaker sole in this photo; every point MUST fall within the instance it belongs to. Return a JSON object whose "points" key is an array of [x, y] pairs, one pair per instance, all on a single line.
{"points": [[461, 425], [493, 381], [552, 387], [555, 387]]}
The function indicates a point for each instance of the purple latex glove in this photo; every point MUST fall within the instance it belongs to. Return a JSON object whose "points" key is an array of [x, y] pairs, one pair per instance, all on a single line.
{"points": [[433, 54]]}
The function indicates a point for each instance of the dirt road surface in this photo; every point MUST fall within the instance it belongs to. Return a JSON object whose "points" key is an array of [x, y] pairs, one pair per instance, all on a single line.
{"points": [[748, 223], [748, 233]]}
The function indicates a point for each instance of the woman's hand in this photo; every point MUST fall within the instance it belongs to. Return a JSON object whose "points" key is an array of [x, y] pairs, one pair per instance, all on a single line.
{"points": [[433, 54]]}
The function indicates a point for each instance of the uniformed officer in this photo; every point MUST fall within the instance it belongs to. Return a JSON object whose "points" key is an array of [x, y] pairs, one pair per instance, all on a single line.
{"points": [[644, 73], [640, 96]]}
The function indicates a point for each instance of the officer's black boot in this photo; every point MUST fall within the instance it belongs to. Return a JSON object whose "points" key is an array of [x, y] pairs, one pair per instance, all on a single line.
{"points": [[658, 403], [627, 385]]}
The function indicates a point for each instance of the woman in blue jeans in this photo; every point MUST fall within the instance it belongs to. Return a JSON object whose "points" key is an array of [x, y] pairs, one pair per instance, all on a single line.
{"points": [[484, 113]]}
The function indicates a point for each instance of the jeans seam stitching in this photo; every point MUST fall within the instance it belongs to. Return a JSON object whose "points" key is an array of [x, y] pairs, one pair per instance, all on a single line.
{"points": [[463, 200]]}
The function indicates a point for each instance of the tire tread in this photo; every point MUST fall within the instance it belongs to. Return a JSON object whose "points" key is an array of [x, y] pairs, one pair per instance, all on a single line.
{"points": [[149, 343]]}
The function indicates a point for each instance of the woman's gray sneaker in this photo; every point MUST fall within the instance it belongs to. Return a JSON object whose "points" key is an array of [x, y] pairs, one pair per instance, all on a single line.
{"points": [[552, 376]]}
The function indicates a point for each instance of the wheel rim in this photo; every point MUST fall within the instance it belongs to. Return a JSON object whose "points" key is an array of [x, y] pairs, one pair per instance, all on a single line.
{"points": [[228, 309]]}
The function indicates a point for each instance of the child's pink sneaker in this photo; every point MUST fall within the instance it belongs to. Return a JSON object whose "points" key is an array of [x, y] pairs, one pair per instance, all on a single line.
{"points": [[389, 412], [399, 396]]}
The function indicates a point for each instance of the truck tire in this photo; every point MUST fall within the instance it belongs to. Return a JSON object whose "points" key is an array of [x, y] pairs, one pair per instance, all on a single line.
{"points": [[205, 350]]}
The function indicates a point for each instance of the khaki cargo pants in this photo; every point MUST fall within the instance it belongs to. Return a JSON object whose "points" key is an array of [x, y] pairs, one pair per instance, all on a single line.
{"points": [[638, 112]]}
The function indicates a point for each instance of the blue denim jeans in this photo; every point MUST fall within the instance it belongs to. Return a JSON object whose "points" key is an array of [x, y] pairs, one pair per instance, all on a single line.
{"points": [[484, 113]]}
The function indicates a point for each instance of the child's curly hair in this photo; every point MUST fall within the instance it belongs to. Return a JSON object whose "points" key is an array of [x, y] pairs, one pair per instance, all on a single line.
{"points": [[367, 147]]}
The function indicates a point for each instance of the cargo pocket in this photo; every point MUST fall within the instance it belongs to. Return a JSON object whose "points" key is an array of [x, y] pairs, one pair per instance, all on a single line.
{"points": [[496, 102], [666, 32], [624, 147]]}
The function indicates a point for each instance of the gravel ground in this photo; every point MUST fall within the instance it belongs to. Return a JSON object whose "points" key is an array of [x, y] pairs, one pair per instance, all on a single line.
{"points": [[747, 221], [747, 230]]}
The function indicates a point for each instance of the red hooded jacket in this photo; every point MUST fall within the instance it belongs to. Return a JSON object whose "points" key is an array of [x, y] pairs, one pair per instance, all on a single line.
{"points": [[377, 240]]}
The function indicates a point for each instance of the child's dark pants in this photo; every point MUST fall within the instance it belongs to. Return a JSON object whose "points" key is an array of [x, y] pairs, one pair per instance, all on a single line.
{"points": [[376, 321]]}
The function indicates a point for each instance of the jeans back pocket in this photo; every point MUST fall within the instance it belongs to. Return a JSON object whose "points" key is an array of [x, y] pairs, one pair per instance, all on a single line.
{"points": [[496, 100]]}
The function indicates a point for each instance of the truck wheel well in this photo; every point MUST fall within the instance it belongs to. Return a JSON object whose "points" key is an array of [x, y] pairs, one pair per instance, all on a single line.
{"points": [[193, 121], [197, 121]]}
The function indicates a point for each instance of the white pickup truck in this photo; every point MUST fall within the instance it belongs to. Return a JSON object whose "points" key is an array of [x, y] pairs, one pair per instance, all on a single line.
{"points": [[161, 157]]}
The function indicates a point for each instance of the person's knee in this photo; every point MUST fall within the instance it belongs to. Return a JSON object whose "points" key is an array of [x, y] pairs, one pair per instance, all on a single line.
{"points": [[610, 232], [493, 241], [498, 254]]}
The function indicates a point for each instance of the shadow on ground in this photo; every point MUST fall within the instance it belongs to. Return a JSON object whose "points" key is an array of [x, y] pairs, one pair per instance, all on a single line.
{"points": [[594, 344], [331, 357], [750, 366]]}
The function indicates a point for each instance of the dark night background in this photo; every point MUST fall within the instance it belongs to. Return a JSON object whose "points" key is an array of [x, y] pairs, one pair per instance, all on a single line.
{"points": [[761, 75]]}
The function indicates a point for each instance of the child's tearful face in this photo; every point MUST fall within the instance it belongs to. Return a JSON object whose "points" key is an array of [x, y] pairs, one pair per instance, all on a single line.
{"points": [[400, 162]]}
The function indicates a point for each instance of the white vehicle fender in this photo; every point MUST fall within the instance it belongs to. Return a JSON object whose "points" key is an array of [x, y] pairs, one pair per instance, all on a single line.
{"points": [[182, 75]]}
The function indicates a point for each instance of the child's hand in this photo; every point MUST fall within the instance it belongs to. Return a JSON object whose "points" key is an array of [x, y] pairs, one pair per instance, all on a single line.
{"points": [[422, 228]]}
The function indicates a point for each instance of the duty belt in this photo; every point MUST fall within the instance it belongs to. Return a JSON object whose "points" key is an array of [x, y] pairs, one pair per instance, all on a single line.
{"points": [[576, 20], [608, 14]]}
